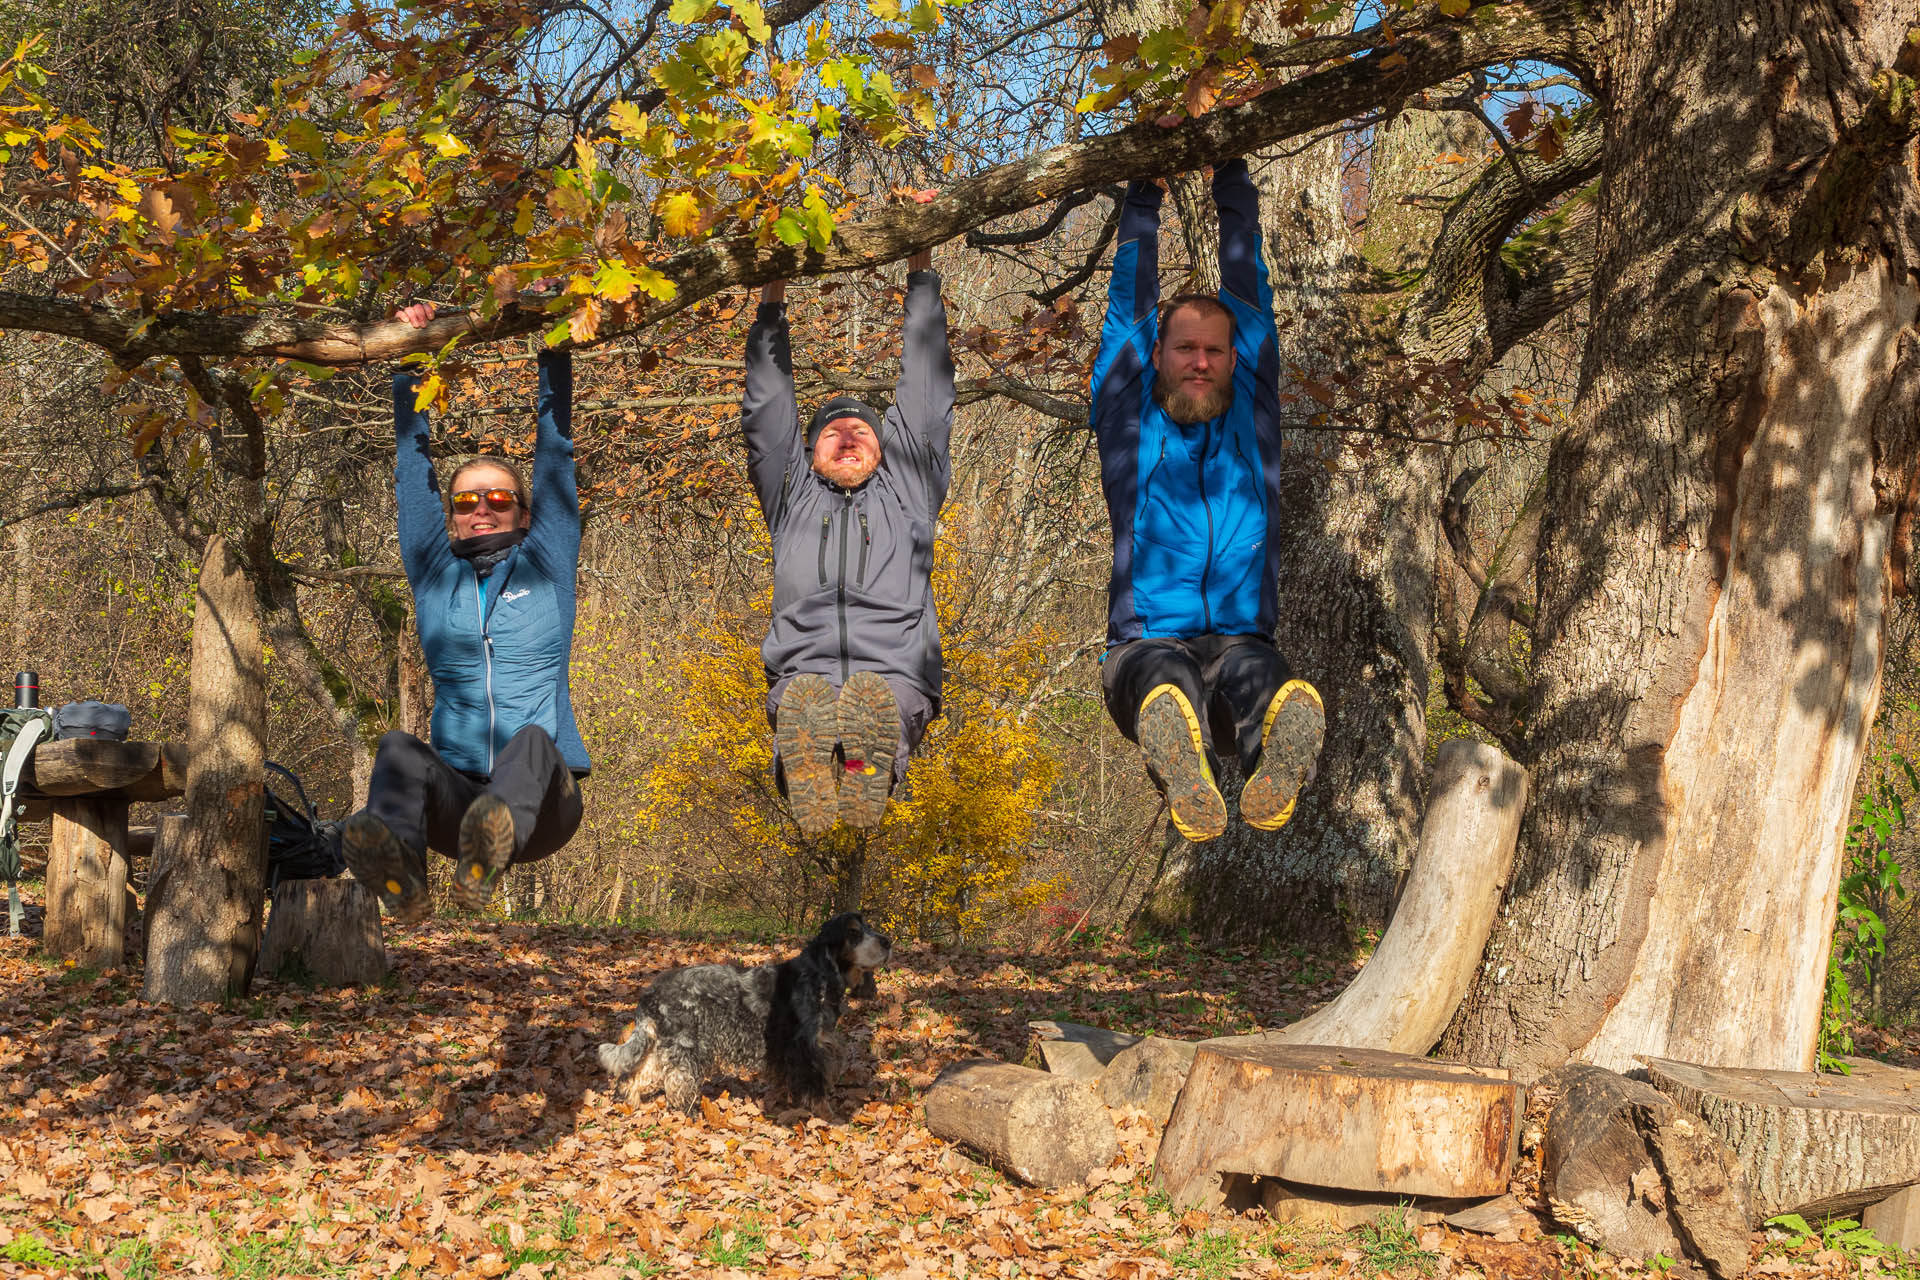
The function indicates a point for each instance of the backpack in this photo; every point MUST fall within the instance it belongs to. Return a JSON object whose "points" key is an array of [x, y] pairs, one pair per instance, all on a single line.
{"points": [[90, 719], [300, 845]]}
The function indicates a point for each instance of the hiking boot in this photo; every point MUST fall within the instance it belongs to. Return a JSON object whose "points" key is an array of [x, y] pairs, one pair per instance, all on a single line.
{"points": [[1169, 733], [1290, 738], [486, 847], [869, 740], [395, 874], [804, 733]]}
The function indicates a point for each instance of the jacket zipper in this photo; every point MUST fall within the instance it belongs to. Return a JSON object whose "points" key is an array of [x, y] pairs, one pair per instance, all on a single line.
{"points": [[1206, 566], [486, 658], [866, 543], [826, 527], [845, 512]]}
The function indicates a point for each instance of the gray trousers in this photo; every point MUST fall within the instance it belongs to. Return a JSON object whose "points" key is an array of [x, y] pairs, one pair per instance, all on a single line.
{"points": [[916, 711]]}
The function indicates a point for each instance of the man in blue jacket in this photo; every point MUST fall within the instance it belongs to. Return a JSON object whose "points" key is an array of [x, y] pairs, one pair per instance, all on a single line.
{"points": [[494, 606], [853, 649], [1186, 414]]}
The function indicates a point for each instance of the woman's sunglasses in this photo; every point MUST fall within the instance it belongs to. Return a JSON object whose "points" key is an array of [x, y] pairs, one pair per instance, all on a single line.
{"points": [[468, 500]]}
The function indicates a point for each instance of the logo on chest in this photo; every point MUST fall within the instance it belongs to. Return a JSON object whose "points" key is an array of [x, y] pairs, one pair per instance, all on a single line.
{"points": [[511, 596]]}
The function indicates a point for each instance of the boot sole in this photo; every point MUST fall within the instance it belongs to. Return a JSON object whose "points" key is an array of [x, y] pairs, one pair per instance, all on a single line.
{"points": [[1290, 740], [807, 725], [1169, 734], [869, 740], [486, 849], [375, 857]]}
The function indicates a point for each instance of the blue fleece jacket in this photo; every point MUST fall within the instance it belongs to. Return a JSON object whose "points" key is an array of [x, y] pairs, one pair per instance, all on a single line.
{"points": [[1194, 508], [498, 645]]}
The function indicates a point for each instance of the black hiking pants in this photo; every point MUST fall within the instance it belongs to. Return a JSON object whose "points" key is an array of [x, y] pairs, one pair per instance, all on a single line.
{"points": [[1228, 680], [422, 798]]}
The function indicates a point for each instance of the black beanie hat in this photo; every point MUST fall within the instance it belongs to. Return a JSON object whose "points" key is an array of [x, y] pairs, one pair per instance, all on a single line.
{"points": [[842, 407]]}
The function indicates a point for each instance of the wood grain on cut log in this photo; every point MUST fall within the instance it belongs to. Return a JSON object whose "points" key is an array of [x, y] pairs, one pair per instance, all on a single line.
{"points": [[1625, 1170], [324, 932], [1405, 996], [87, 881], [203, 914], [1810, 1144], [1355, 1119], [1042, 1129], [1147, 1076]]}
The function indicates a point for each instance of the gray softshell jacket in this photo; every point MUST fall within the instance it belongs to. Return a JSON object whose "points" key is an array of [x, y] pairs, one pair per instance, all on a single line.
{"points": [[852, 568]]}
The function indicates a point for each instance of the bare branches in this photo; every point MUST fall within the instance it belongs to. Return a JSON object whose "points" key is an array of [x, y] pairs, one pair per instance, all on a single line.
{"points": [[73, 501]]}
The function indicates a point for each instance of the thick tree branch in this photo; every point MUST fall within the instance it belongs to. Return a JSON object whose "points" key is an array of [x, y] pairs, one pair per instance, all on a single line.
{"points": [[73, 500], [1424, 55], [1463, 310]]}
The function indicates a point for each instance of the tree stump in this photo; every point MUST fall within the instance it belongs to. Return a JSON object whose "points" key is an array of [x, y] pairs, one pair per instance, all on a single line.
{"points": [[325, 933], [1042, 1129], [87, 881], [1625, 1170], [1811, 1144], [203, 913], [1352, 1119]]}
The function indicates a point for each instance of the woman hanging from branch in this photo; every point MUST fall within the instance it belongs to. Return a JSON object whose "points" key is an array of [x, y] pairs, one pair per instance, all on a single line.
{"points": [[493, 597]]}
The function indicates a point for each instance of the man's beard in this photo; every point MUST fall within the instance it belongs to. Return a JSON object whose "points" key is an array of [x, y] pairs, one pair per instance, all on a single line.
{"points": [[1187, 409], [848, 475]]}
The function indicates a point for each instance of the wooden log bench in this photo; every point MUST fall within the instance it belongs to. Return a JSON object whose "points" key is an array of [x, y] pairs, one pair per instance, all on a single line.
{"points": [[86, 786]]}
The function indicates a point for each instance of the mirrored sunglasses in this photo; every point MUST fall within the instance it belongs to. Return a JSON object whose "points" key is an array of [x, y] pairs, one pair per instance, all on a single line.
{"points": [[468, 500]]}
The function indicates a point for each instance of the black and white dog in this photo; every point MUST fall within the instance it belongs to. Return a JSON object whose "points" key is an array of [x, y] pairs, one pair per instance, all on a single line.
{"points": [[780, 1018]]}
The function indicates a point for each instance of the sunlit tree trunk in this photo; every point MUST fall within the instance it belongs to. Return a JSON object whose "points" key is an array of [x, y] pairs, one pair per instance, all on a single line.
{"points": [[1727, 515]]}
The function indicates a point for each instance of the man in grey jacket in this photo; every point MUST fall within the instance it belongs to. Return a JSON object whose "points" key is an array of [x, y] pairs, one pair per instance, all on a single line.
{"points": [[853, 652]]}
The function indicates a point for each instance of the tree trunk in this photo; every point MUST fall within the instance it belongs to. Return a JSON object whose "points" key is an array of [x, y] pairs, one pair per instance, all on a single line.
{"points": [[1039, 1128], [1715, 563], [203, 916], [325, 933]]}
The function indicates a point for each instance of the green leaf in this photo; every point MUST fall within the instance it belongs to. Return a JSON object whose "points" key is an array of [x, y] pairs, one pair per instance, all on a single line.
{"points": [[819, 219], [1455, 8], [925, 17], [754, 18], [789, 228], [885, 10], [687, 11]]}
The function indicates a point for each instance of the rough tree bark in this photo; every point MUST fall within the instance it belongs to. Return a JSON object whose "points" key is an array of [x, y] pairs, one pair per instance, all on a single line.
{"points": [[203, 909], [1720, 542]]}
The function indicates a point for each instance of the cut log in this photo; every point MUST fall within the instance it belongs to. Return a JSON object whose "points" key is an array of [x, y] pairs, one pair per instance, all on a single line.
{"points": [[165, 780], [1404, 997], [1148, 1077], [203, 916], [1042, 1129], [1628, 1171], [1075, 1051], [1354, 1119], [325, 933], [1896, 1220], [1345, 1210], [1811, 1144], [79, 766], [87, 881]]}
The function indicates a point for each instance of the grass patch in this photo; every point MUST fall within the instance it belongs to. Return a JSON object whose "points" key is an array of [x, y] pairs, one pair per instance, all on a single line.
{"points": [[1388, 1244], [1210, 1254], [737, 1246]]}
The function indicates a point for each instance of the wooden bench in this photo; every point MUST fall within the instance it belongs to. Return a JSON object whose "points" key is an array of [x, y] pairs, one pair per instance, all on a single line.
{"points": [[86, 785]]}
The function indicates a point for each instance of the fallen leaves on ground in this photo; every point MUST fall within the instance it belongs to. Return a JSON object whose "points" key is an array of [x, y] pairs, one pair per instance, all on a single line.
{"points": [[455, 1122]]}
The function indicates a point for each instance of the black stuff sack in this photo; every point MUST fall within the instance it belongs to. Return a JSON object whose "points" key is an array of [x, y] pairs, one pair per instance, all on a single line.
{"points": [[91, 719]]}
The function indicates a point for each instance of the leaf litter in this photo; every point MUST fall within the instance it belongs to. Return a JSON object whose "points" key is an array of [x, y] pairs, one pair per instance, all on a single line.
{"points": [[455, 1122]]}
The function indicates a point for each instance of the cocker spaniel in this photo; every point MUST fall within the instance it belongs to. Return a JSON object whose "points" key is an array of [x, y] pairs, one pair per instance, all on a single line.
{"points": [[778, 1019]]}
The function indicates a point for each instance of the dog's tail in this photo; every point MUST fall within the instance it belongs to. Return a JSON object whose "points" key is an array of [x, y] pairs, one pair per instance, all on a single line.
{"points": [[620, 1059]]}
